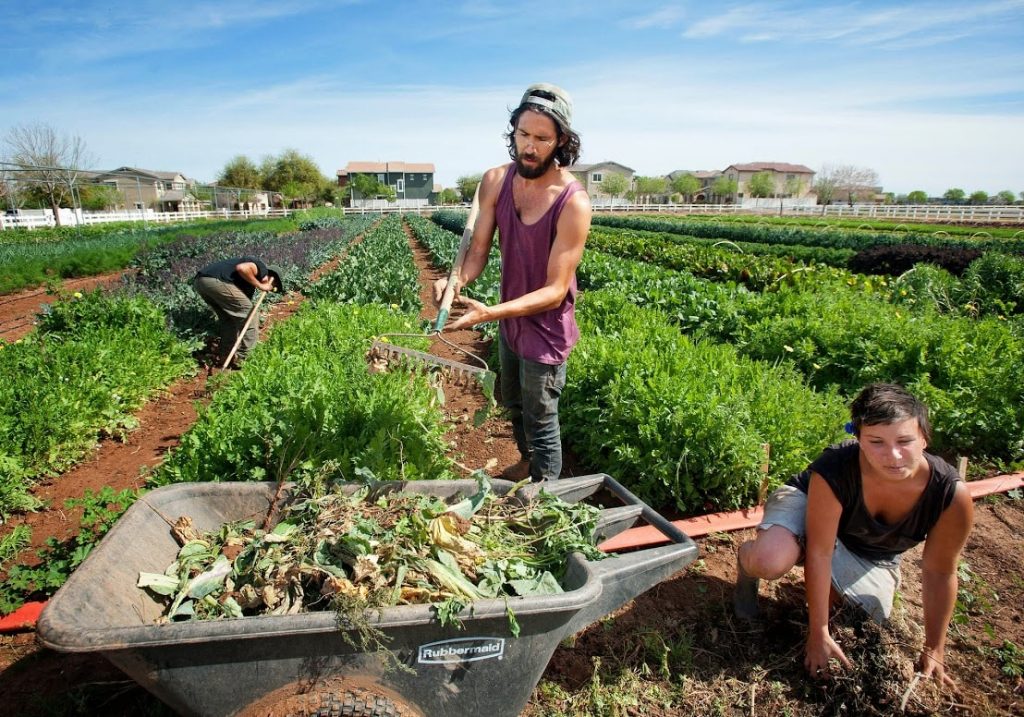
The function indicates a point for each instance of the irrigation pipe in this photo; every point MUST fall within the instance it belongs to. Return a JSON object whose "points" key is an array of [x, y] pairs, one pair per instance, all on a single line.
{"points": [[750, 517], [24, 618]]}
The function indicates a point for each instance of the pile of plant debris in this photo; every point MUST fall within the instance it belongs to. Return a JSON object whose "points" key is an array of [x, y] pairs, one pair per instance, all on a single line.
{"points": [[373, 548]]}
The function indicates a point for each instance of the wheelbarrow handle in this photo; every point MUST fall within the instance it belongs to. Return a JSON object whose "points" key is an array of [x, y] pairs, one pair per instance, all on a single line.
{"points": [[245, 327], [449, 290]]}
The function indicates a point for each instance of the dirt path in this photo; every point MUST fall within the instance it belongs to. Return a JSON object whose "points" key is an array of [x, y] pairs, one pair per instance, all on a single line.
{"points": [[18, 310]]}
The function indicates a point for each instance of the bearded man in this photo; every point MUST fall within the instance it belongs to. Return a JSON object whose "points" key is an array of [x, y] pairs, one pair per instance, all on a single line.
{"points": [[542, 217]]}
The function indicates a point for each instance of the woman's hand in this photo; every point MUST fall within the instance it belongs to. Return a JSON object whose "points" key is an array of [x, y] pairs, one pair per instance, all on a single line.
{"points": [[819, 652], [439, 286]]}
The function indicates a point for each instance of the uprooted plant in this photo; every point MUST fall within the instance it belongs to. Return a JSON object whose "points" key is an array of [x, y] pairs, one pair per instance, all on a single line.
{"points": [[375, 547]]}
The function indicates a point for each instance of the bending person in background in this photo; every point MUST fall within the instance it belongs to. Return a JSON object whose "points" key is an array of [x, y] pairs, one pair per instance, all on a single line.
{"points": [[851, 515], [542, 215], [228, 287]]}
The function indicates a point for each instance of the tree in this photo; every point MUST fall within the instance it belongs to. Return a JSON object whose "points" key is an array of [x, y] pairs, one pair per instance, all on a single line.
{"points": [[648, 187], [725, 188], [294, 175], [467, 185], [845, 181], [369, 187], [761, 185], [240, 172], [48, 162], [955, 194], [614, 184], [99, 197], [448, 196], [1005, 197], [917, 197], [978, 197], [687, 185]]}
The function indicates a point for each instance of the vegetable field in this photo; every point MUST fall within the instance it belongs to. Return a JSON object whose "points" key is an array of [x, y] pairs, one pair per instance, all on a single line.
{"points": [[716, 359]]}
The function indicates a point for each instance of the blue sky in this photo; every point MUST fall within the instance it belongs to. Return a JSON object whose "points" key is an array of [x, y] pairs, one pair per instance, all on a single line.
{"points": [[928, 94]]}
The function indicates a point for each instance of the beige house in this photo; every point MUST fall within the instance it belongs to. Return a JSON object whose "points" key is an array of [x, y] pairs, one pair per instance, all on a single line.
{"points": [[147, 189], [792, 181], [592, 176]]}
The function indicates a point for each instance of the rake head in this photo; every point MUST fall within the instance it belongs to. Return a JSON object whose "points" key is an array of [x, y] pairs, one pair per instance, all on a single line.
{"points": [[383, 354]]}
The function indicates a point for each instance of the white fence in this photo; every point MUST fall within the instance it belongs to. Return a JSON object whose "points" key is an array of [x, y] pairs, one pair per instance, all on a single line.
{"points": [[895, 212]]}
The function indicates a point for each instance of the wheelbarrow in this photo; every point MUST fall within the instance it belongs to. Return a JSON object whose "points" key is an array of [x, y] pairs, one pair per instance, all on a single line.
{"points": [[308, 664]]}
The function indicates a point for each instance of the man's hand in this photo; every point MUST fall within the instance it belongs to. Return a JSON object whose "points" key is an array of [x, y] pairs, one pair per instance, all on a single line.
{"points": [[439, 286], [818, 654], [930, 664], [476, 313]]}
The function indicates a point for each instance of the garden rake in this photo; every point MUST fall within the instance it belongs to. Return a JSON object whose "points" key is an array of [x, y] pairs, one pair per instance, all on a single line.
{"points": [[382, 350]]}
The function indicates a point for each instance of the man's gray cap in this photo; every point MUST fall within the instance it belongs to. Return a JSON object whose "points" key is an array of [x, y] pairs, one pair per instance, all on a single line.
{"points": [[560, 106]]}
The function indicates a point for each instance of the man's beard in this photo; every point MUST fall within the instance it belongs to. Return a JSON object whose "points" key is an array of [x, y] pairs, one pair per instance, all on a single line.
{"points": [[534, 172]]}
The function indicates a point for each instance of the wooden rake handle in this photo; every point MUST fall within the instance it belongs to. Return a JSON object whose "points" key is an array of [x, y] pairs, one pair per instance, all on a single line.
{"points": [[245, 327], [449, 291]]}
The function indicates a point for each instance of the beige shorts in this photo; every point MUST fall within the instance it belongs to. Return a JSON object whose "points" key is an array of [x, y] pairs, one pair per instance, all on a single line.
{"points": [[871, 584]]}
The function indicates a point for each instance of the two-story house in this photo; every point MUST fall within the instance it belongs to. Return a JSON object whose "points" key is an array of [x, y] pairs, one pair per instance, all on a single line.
{"points": [[791, 181], [148, 189], [413, 182], [592, 177]]}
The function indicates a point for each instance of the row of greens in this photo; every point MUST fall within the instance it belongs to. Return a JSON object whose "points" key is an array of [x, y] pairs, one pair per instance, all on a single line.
{"points": [[92, 367], [34, 257], [828, 236], [90, 363], [826, 223], [969, 370], [991, 284]]}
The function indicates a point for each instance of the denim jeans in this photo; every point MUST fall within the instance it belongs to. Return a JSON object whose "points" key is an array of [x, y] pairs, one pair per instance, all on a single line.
{"points": [[530, 392]]}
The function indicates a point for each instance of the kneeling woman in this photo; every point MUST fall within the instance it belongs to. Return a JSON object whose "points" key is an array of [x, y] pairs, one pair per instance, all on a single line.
{"points": [[851, 515]]}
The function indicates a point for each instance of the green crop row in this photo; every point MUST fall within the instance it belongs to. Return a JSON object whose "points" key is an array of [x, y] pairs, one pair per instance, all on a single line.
{"points": [[710, 262], [89, 364], [788, 252], [800, 236], [685, 422], [164, 273], [971, 371], [829, 222], [33, 257], [379, 269], [306, 407]]}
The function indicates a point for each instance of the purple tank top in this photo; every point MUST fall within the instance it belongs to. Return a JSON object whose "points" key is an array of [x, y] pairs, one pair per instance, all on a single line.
{"points": [[549, 336]]}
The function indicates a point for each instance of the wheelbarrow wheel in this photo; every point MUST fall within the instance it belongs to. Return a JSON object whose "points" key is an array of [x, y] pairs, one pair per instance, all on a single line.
{"points": [[349, 704]]}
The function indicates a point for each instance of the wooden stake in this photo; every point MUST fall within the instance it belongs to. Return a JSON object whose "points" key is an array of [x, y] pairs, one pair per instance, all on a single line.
{"points": [[961, 468], [762, 492]]}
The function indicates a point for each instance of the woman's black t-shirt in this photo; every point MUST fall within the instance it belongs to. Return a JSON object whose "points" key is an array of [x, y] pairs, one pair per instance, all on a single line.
{"points": [[839, 465]]}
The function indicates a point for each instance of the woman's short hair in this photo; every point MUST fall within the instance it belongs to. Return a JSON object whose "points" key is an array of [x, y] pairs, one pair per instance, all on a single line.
{"points": [[884, 403]]}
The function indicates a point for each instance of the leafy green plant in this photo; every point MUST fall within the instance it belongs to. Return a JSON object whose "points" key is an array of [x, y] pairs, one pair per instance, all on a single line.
{"points": [[1011, 659], [684, 423], [59, 559], [90, 363], [306, 402]]}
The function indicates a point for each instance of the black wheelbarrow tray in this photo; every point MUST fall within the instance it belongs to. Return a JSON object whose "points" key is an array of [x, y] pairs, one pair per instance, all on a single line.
{"points": [[309, 663]]}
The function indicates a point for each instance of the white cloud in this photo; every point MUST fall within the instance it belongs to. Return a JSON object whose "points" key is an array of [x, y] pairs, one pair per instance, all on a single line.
{"points": [[918, 23]]}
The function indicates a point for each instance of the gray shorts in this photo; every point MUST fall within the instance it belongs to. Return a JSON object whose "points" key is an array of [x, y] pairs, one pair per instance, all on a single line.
{"points": [[871, 584]]}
